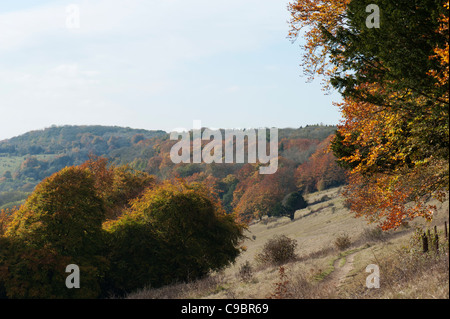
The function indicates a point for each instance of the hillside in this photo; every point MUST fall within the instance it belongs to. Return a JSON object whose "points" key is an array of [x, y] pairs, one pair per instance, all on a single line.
{"points": [[27, 159], [322, 271]]}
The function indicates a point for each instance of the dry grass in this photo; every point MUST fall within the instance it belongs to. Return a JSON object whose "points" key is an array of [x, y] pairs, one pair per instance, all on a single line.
{"points": [[405, 274], [196, 289], [312, 274]]}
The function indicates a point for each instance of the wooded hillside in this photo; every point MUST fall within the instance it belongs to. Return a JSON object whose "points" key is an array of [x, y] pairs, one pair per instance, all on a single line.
{"points": [[28, 159]]}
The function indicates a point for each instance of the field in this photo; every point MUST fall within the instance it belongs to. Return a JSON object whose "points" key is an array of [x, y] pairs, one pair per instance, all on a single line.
{"points": [[12, 163], [320, 270]]}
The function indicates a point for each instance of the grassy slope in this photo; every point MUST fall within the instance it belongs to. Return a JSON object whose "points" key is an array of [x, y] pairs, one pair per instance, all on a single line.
{"points": [[12, 163], [319, 266]]}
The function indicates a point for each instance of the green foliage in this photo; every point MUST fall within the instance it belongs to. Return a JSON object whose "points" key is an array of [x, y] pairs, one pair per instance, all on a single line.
{"points": [[27, 272], [192, 223], [186, 170], [397, 57], [293, 202], [174, 232], [227, 187], [134, 253], [31, 157]]}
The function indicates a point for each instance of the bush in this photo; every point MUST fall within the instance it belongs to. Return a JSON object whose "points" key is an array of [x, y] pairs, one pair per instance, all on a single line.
{"points": [[374, 234], [245, 272], [278, 250], [342, 242]]}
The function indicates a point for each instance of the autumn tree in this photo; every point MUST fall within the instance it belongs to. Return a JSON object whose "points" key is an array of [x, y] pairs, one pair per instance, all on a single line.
{"points": [[174, 232], [394, 136], [257, 195], [59, 224], [132, 248], [321, 171], [6, 216], [117, 185]]}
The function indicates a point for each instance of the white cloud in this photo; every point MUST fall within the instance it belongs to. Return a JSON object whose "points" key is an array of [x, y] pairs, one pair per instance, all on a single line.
{"points": [[233, 89], [200, 26], [133, 62]]}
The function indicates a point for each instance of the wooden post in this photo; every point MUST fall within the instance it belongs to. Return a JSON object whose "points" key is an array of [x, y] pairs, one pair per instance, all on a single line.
{"points": [[446, 234], [436, 240], [425, 242]]}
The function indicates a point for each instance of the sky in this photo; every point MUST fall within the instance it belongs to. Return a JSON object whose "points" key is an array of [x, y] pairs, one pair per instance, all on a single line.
{"points": [[154, 64]]}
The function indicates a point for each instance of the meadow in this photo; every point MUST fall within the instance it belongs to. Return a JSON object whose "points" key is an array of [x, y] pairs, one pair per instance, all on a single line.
{"points": [[320, 269]]}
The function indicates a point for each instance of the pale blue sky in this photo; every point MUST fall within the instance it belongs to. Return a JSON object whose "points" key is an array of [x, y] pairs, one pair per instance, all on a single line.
{"points": [[154, 64]]}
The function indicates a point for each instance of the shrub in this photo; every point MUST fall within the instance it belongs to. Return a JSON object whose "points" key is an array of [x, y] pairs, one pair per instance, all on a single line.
{"points": [[342, 242], [245, 272], [282, 286], [374, 234], [278, 250]]}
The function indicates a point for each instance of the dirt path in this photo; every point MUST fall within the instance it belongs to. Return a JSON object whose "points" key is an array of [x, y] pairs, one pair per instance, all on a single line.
{"points": [[341, 270]]}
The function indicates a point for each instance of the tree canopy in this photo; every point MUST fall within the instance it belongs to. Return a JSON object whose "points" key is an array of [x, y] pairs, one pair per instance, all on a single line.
{"points": [[394, 137]]}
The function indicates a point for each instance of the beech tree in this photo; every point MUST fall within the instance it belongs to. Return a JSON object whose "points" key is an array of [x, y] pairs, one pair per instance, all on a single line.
{"points": [[117, 185], [258, 195], [59, 224], [173, 232], [394, 80]]}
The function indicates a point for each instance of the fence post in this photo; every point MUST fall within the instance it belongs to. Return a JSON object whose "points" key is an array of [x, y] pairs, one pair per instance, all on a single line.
{"points": [[436, 240], [425, 242], [446, 234]]}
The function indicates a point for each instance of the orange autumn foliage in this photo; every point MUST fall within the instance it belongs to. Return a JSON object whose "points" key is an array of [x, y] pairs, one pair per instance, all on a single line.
{"points": [[309, 16], [393, 138]]}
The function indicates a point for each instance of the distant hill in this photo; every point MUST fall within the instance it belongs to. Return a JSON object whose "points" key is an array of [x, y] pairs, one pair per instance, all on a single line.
{"points": [[27, 159], [65, 139]]}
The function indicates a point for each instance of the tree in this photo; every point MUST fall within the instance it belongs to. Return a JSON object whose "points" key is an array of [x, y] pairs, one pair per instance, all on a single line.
{"points": [[117, 185], [132, 248], [64, 211], [59, 224], [6, 216], [321, 171], [137, 138], [394, 137], [258, 195], [314, 17], [174, 232], [293, 202], [7, 175]]}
